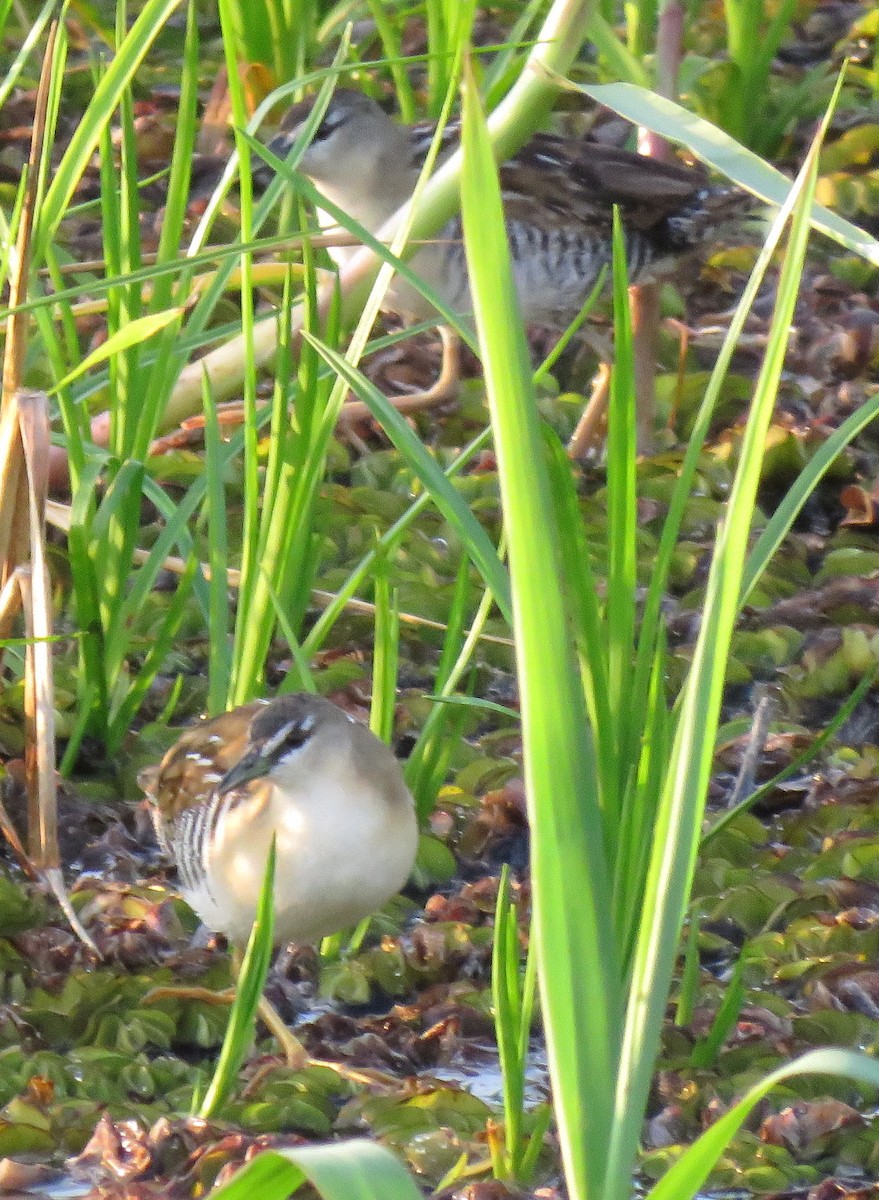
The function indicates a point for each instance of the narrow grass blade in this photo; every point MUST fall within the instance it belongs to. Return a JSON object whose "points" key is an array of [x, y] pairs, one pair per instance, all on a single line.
{"points": [[327, 619], [680, 814], [799, 762], [120, 724], [620, 60], [145, 29], [385, 656], [219, 625], [782, 519], [37, 24], [428, 763], [249, 988], [577, 962], [705, 1052], [582, 599], [430, 473], [132, 334], [622, 520]]}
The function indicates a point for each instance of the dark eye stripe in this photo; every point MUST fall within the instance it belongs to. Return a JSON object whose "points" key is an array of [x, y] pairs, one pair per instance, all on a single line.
{"points": [[331, 122], [288, 737]]}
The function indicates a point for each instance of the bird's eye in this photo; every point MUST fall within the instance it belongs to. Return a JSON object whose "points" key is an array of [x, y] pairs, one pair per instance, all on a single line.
{"points": [[297, 736], [290, 736], [328, 126]]}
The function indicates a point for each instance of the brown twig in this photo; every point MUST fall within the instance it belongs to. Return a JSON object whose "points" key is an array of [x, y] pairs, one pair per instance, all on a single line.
{"points": [[25, 444]]}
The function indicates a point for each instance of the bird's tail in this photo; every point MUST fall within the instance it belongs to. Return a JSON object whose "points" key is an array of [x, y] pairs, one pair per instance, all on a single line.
{"points": [[711, 209]]}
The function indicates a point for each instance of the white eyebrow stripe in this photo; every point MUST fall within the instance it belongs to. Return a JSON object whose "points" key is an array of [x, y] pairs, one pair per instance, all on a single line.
{"points": [[302, 727], [271, 744]]}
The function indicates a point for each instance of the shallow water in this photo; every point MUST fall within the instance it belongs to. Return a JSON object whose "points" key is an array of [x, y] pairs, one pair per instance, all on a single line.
{"points": [[482, 1076]]}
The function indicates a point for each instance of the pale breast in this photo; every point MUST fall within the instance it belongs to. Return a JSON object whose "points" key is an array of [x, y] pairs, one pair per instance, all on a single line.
{"points": [[342, 851]]}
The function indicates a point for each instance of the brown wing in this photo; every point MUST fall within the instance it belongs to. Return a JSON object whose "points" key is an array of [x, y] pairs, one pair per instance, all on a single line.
{"points": [[197, 761], [573, 182], [586, 179]]}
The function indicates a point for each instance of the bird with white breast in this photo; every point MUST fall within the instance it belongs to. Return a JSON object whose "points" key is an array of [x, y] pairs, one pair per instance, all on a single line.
{"points": [[558, 196], [302, 771]]}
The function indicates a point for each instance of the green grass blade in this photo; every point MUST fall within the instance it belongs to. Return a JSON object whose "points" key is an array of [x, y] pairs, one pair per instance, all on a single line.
{"points": [[427, 765], [680, 815], [577, 965], [433, 477], [250, 984], [132, 334], [333, 611], [686, 1177], [131, 53], [725, 155], [119, 726], [620, 60], [688, 992], [705, 1052], [799, 762], [389, 32], [246, 670], [128, 602], [37, 27], [219, 623], [385, 656], [356, 1170], [622, 521], [506, 1003], [585, 610], [782, 519]]}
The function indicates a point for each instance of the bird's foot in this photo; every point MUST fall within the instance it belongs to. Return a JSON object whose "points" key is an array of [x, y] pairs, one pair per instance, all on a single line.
{"points": [[591, 426], [444, 389], [297, 1057]]}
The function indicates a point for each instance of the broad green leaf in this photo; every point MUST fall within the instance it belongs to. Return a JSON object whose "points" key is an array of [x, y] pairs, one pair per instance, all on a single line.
{"points": [[692, 1169], [725, 155], [355, 1170], [577, 963]]}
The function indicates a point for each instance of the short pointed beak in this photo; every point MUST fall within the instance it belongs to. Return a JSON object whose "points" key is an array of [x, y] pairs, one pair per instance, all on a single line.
{"points": [[250, 766], [279, 146]]}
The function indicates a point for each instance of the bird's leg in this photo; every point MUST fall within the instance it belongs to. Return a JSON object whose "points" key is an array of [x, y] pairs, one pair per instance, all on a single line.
{"points": [[645, 310], [445, 388], [295, 1054], [297, 1057], [591, 426], [447, 382]]}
